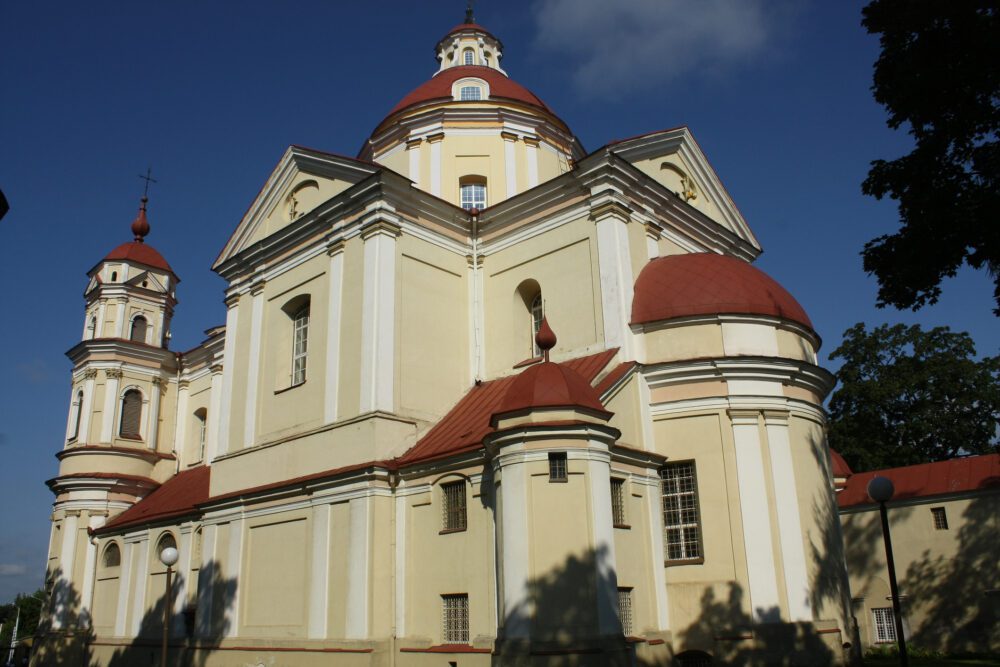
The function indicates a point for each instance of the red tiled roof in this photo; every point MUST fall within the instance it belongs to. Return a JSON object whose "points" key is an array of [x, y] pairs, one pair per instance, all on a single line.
{"points": [[466, 26], [971, 473], [140, 253], [550, 385], [176, 497], [709, 284], [465, 426], [840, 467]]}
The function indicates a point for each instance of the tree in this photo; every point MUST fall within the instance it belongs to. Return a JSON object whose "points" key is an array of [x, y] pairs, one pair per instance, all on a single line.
{"points": [[31, 609], [911, 396], [937, 73]]}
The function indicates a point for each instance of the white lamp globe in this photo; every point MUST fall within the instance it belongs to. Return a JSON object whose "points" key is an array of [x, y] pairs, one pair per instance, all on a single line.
{"points": [[168, 556], [880, 489]]}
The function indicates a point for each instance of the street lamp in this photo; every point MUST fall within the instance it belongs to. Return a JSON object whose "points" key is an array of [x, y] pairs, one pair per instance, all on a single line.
{"points": [[880, 489], [168, 557]]}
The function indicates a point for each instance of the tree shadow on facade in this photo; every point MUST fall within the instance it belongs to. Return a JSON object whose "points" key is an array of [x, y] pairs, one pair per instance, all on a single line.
{"points": [[192, 639], [63, 635]]}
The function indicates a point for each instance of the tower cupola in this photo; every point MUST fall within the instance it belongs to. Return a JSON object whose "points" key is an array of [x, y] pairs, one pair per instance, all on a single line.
{"points": [[469, 44]]}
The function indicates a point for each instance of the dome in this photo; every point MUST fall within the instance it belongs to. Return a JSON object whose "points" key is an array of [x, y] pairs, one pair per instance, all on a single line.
{"points": [[709, 284], [550, 385], [840, 467], [140, 253]]}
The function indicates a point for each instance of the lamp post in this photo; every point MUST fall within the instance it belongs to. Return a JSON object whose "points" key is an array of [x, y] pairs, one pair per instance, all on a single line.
{"points": [[168, 557], [880, 489]]}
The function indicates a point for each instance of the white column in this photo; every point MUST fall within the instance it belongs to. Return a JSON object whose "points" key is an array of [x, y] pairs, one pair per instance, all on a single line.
{"points": [[141, 584], [234, 561], [652, 241], [358, 561], [517, 606], [435, 142], [599, 476], [181, 574], [477, 321], [413, 150], [761, 570], [786, 503], [101, 313], [319, 585], [331, 393], [89, 572], [67, 563], [531, 154], [181, 422], [228, 366], [124, 589], [253, 364], [400, 565], [615, 264], [510, 162], [153, 426], [208, 572], [120, 319], [88, 405], [378, 318], [214, 410], [113, 377], [654, 505]]}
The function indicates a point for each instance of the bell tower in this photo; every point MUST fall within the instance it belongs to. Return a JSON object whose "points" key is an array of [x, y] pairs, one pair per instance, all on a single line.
{"points": [[123, 380]]}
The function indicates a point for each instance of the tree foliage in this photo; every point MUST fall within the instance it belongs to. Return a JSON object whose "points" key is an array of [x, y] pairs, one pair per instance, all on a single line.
{"points": [[31, 610], [938, 74], [911, 396]]}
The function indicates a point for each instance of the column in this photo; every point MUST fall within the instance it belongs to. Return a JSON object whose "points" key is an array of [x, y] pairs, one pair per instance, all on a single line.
{"points": [[510, 162], [101, 312], [477, 321], [435, 142], [234, 560], [599, 477], [113, 377], [208, 573], [358, 561], [124, 589], [652, 240], [517, 607], [615, 263], [94, 521], [319, 590], [400, 563], [120, 319], [654, 506], [182, 421], [228, 365], [531, 154], [331, 392], [67, 562], [158, 332], [253, 363], [141, 576], [786, 504], [181, 582], [413, 150], [214, 408], [88, 405], [153, 426], [378, 318], [761, 570]]}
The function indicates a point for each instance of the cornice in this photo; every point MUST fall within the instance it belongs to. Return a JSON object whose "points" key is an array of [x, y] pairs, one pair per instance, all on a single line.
{"points": [[766, 369], [124, 349]]}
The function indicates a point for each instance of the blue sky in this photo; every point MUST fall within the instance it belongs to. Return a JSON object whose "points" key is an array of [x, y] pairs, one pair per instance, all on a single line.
{"points": [[210, 94]]}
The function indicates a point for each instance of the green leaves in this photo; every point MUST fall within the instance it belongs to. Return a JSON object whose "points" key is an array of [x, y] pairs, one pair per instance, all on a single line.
{"points": [[910, 396]]}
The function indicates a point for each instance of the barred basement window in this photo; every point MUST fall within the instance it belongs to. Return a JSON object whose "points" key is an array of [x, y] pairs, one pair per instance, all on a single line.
{"points": [[454, 506], [131, 414], [456, 618], [625, 610], [885, 625], [681, 524], [618, 502], [940, 518], [557, 467]]}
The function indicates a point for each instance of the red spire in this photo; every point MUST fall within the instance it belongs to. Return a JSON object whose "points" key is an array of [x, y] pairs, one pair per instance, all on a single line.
{"points": [[140, 226], [545, 338]]}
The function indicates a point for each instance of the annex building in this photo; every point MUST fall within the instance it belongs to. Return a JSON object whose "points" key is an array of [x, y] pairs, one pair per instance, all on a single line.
{"points": [[482, 397]]}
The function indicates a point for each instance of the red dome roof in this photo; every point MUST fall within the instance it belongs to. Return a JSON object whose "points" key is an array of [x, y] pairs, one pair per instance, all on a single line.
{"points": [[461, 27], [439, 88], [840, 467], [709, 284], [140, 253], [550, 385]]}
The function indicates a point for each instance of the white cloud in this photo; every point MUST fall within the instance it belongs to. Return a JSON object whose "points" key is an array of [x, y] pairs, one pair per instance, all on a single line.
{"points": [[12, 570], [620, 45]]}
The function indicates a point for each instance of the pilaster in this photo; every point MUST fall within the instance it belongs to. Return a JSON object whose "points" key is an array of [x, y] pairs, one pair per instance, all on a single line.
{"points": [[253, 363], [331, 393], [378, 317], [228, 366]]}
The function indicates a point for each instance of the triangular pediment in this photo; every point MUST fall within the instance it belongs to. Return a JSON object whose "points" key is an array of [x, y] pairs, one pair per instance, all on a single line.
{"points": [[147, 280], [303, 179], [674, 159], [95, 282]]}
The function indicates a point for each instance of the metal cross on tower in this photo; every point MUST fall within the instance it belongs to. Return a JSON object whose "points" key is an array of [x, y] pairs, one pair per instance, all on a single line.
{"points": [[149, 179]]}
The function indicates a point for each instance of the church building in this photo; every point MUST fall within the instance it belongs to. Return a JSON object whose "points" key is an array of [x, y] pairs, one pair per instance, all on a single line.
{"points": [[482, 397]]}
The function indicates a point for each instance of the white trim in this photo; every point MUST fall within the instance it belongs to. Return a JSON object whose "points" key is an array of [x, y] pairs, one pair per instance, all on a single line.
{"points": [[331, 392], [414, 153], [358, 562], [319, 584], [400, 565], [599, 478], [152, 422], [654, 504], [228, 366], [141, 586], [83, 434], [101, 312], [214, 408], [183, 574], [531, 152], [124, 589], [253, 367], [120, 319], [516, 555], [615, 267], [67, 563], [181, 424]]}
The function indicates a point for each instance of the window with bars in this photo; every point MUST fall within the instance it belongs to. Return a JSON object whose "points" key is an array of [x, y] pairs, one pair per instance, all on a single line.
{"points": [[557, 467], [131, 414], [455, 618], [201, 419], [473, 196], [468, 57], [618, 502], [681, 523], [138, 333], [537, 313], [469, 93], [300, 344], [940, 518], [885, 625], [454, 513], [625, 610]]}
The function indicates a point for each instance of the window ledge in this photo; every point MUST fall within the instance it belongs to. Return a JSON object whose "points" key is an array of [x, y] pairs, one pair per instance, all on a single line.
{"points": [[448, 531], [559, 480], [623, 526], [288, 388], [684, 561], [134, 438]]}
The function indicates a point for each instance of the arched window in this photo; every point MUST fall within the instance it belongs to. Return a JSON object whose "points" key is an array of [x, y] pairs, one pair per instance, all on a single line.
{"points": [[468, 57], [469, 93], [92, 328], [537, 312], [166, 541], [473, 192], [131, 415], [112, 557], [201, 422], [77, 415], [300, 344], [139, 326]]}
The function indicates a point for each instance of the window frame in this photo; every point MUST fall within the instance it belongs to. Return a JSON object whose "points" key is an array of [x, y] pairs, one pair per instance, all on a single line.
{"points": [[619, 517], [883, 630], [468, 57], [77, 417], [692, 551], [558, 467], [475, 94], [536, 310], [454, 507], [137, 435], [626, 610], [939, 516], [472, 186], [455, 618], [132, 329], [201, 422], [300, 345]]}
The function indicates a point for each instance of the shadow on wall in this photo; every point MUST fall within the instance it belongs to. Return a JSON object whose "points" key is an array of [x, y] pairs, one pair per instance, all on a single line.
{"points": [[62, 637]]}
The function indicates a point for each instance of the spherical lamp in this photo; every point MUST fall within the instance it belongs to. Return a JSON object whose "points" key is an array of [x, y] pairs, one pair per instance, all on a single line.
{"points": [[168, 556], [880, 489]]}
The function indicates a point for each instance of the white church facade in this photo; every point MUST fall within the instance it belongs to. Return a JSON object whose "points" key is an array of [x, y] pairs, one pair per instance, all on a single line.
{"points": [[481, 398]]}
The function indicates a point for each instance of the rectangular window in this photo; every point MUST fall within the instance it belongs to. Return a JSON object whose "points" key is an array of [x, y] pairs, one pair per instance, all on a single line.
{"points": [[454, 506], [469, 93], [940, 518], [885, 625], [681, 524], [625, 610], [473, 196], [456, 618], [557, 467], [300, 341], [618, 501]]}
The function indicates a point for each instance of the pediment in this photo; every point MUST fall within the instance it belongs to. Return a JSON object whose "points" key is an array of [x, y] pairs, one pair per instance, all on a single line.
{"points": [[95, 282], [674, 159], [302, 180], [147, 280]]}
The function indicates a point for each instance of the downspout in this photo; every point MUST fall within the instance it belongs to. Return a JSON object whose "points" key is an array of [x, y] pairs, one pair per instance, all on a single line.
{"points": [[476, 288]]}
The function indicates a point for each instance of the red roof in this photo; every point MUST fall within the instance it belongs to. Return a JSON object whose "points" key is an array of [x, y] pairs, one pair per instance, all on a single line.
{"points": [[550, 385], [465, 426], [840, 467], [439, 88], [176, 497], [709, 284], [461, 27], [970, 473], [140, 253]]}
